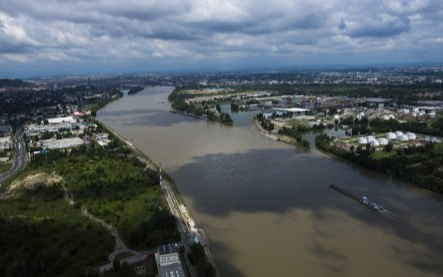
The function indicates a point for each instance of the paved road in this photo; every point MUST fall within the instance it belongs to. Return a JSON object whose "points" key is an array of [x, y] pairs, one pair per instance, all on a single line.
{"points": [[19, 159], [184, 225]]}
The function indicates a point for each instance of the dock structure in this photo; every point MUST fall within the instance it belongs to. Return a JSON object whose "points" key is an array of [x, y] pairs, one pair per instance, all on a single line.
{"points": [[196, 235]]}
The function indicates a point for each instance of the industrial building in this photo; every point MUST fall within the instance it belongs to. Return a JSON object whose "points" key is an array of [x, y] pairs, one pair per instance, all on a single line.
{"points": [[5, 129], [5, 143], [58, 120], [62, 143], [168, 261]]}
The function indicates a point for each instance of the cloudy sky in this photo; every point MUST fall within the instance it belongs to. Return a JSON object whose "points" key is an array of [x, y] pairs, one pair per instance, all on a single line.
{"points": [[52, 37]]}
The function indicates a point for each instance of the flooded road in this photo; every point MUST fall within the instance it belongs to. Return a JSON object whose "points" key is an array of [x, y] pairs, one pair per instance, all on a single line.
{"points": [[266, 207]]}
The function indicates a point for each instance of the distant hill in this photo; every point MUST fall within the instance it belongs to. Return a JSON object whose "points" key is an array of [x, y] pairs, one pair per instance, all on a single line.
{"points": [[10, 83]]}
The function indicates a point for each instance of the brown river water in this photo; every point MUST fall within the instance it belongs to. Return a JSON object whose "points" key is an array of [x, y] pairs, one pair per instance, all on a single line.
{"points": [[266, 206]]}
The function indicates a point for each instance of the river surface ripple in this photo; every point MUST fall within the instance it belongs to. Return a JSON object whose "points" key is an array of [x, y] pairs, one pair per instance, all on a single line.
{"points": [[266, 206]]}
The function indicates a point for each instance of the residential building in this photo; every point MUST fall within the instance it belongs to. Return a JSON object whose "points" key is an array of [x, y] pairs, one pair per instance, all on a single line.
{"points": [[5, 143], [5, 129]]}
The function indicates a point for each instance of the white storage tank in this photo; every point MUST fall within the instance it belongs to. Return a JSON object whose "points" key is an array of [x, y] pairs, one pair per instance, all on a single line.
{"points": [[399, 134], [383, 141], [362, 140], [411, 136], [432, 114], [391, 136], [370, 139], [403, 138], [375, 143]]}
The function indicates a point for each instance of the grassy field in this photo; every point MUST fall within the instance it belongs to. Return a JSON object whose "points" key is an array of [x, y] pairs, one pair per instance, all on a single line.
{"points": [[4, 167], [383, 154]]}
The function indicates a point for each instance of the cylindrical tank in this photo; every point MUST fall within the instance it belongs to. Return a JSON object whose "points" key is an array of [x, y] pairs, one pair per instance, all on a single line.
{"points": [[362, 140], [411, 136], [370, 139], [403, 138], [391, 136], [383, 141], [375, 143]]}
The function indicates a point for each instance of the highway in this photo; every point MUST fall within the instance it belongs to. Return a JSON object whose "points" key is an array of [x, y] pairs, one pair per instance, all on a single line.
{"points": [[19, 162]]}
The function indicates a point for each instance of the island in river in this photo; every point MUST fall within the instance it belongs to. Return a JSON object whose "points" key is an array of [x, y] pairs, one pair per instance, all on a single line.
{"points": [[409, 148]]}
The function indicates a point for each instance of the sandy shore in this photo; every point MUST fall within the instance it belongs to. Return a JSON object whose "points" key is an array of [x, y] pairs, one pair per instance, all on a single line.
{"points": [[270, 135]]}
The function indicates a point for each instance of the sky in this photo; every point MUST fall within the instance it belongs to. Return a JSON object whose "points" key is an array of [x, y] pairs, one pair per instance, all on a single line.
{"points": [[66, 37]]}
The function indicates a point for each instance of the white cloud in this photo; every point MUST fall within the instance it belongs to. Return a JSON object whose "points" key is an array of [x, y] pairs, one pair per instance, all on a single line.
{"points": [[188, 30], [15, 57]]}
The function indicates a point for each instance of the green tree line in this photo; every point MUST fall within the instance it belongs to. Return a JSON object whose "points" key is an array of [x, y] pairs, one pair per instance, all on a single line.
{"points": [[421, 166]]}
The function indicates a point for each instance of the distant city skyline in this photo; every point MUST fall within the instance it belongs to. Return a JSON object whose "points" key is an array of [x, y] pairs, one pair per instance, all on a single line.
{"points": [[53, 37]]}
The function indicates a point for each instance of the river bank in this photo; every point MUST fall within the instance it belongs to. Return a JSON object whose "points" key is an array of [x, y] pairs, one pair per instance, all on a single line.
{"points": [[176, 205], [420, 166], [251, 195], [270, 135], [302, 144]]}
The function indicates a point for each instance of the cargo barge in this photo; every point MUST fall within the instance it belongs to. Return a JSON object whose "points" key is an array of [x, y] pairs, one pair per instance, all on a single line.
{"points": [[363, 199]]}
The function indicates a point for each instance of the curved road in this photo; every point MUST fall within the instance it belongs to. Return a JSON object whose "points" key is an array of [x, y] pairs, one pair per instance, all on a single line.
{"points": [[19, 159]]}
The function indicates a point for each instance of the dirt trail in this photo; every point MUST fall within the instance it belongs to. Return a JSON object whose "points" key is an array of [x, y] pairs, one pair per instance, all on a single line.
{"points": [[120, 246], [44, 179]]}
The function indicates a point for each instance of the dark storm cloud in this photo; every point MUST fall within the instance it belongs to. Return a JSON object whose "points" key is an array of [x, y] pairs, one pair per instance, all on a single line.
{"points": [[380, 26], [8, 48]]}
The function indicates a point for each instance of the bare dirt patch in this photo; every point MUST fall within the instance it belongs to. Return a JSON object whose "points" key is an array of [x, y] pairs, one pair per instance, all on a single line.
{"points": [[32, 181]]}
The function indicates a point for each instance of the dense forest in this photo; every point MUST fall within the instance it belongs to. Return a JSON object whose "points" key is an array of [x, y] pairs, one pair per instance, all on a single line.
{"points": [[200, 260], [199, 110], [12, 83], [401, 94], [134, 90], [52, 238], [42, 235], [378, 125]]}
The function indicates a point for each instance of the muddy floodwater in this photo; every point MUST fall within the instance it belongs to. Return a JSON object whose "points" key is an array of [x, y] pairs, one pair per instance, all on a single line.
{"points": [[266, 207]]}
